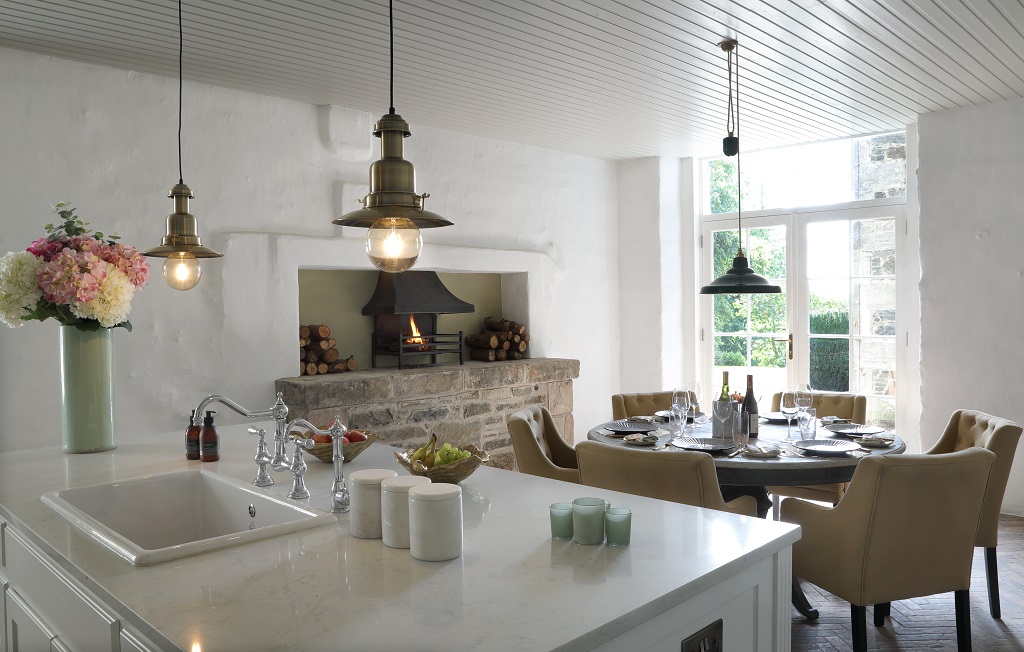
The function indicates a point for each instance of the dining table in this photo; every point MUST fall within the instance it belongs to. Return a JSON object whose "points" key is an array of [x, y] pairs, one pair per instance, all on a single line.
{"points": [[795, 464]]}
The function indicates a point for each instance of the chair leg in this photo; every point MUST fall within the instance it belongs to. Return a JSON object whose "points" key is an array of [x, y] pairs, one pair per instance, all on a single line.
{"points": [[859, 624], [882, 609], [962, 601], [992, 575]]}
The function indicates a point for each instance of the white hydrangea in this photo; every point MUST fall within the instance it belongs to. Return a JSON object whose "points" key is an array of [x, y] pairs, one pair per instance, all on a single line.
{"points": [[112, 304], [19, 287]]}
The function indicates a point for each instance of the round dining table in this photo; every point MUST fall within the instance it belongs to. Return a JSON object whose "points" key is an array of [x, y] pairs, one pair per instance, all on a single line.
{"points": [[790, 467]]}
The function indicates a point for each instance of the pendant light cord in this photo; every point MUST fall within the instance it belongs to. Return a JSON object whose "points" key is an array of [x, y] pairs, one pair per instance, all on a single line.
{"points": [[181, 50], [391, 32], [739, 177]]}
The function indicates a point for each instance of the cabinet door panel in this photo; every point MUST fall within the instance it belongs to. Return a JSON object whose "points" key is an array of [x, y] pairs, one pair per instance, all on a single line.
{"points": [[25, 631], [80, 621]]}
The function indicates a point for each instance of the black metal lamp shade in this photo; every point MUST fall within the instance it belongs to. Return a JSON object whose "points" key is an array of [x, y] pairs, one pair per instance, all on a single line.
{"points": [[740, 279]]}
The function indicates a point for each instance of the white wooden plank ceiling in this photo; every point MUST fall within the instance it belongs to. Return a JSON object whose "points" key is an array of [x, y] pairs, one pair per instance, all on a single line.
{"points": [[607, 78]]}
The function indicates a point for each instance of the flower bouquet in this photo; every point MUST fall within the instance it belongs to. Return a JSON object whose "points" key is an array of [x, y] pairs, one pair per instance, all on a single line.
{"points": [[86, 282], [81, 279]]}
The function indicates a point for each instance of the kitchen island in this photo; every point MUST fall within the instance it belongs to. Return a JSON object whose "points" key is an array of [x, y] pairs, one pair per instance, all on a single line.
{"points": [[514, 588]]}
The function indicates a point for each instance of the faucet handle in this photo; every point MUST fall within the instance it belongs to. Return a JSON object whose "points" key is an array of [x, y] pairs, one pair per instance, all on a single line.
{"points": [[263, 478], [305, 443]]}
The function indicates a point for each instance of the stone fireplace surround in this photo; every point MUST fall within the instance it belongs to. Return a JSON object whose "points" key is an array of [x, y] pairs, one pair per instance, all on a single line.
{"points": [[271, 262], [462, 404]]}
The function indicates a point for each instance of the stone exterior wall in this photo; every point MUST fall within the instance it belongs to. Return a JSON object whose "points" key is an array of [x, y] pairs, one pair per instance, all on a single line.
{"points": [[465, 404]]}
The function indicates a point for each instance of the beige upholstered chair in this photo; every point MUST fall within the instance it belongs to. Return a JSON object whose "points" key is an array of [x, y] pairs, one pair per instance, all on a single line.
{"points": [[904, 529], [968, 428], [843, 406], [540, 449], [633, 405], [682, 477], [641, 405]]}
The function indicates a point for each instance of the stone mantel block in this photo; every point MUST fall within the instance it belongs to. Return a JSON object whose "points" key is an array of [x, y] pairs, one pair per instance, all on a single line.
{"points": [[463, 404]]}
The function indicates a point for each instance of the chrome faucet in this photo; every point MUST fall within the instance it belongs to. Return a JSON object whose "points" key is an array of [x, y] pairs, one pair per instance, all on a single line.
{"points": [[337, 430], [278, 411], [263, 478]]}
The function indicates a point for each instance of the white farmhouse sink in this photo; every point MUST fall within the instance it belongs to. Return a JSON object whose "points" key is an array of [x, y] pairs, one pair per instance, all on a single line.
{"points": [[156, 518]]}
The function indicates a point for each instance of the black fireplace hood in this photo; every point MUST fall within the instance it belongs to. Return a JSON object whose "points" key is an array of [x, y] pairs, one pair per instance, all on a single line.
{"points": [[413, 292]]}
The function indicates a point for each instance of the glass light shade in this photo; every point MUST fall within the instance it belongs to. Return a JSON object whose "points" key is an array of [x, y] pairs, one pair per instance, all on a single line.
{"points": [[182, 271], [393, 244]]}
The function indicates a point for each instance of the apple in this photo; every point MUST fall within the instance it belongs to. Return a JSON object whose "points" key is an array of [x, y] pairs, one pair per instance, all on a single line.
{"points": [[355, 435], [346, 440], [322, 439]]}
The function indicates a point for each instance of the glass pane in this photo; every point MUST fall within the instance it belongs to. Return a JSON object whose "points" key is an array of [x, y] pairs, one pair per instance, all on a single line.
{"points": [[874, 307], [874, 247], [881, 412], [765, 352], [768, 312], [830, 364], [874, 360], [828, 249], [730, 313], [766, 250], [730, 352], [829, 307], [725, 246], [872, 167]]}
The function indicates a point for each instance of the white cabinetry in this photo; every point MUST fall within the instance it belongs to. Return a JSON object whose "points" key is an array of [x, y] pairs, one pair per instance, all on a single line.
{"points": [[48, 610]]}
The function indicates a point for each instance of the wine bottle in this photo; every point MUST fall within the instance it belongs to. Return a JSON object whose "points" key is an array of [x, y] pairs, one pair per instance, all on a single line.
{"points": [[750, 406], [724, 396]]}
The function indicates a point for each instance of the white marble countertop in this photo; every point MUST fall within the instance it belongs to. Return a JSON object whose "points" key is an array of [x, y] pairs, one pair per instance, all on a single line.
{"points": [[514, 588]]}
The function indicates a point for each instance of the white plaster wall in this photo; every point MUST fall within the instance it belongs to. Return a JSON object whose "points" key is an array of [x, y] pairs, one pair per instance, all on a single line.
{"points": [[269, 175], [972, 286]]}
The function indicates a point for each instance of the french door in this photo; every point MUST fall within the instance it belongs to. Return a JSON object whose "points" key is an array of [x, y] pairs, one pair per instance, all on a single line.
{"points": [[835, 324]]}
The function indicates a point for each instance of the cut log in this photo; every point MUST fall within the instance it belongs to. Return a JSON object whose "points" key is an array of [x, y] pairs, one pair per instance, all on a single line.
{"points": [[303, 332], [501, 354], [337, 368], [303, 341], [516, 338], [310, 368], [482, 341], [330, 356], [506, 345], [483, 355], [302, 354], [312, 355], [520, 347], [302, 368], [351, 363], [516, 355], [319, 332], [494, 324], [321, 368]]}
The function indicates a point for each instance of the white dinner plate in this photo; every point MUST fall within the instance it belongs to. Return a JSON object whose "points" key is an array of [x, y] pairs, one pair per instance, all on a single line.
{"points": [[826, 447]]}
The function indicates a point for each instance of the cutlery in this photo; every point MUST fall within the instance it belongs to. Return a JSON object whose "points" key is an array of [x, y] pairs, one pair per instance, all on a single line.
{"points": [[735, 452]]}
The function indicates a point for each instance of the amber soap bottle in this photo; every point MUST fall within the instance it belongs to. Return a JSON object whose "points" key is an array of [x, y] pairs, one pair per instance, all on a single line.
{"points": [[192, 439], [209, 440]]}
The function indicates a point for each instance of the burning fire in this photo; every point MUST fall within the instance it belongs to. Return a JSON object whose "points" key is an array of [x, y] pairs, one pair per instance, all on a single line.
{"points": [[416, 336]]}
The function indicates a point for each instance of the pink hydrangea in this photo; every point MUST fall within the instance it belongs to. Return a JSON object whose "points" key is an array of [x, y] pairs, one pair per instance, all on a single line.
{"points": [[128, 259], [46, 249], [72, 276], [89, 244]]}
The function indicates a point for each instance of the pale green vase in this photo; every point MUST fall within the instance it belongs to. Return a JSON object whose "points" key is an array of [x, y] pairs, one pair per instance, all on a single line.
{"points": [[87, 390]]}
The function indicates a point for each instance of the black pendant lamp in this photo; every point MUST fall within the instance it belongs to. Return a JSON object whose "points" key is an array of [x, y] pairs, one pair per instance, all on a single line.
{"points": [[740, 279], [392, 211], [181, 245]]}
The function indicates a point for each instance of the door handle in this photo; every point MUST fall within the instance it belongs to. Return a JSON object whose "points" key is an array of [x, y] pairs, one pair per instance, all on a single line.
{"points": [[786, 339]]}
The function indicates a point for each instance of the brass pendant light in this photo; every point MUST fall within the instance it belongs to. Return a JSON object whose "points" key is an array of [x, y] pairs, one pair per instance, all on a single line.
{"points": [[740, 279], [392, 211], [181, 245]]}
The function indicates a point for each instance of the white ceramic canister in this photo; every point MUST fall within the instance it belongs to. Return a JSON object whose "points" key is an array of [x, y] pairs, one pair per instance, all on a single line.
{"points": [[435, 521], [394, 508], [364, 492]]}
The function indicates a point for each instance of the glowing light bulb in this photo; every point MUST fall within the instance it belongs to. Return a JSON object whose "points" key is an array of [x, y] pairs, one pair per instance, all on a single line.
{"points": [[393, 244], [182, 271]]}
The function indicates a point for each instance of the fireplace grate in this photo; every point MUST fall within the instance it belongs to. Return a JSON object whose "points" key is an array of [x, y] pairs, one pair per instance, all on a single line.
{"points": [[413, 349]]}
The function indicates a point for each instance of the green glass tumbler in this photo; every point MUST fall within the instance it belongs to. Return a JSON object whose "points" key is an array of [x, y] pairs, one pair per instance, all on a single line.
{"points": [[561, 520], [588, 521], [618, 521]]}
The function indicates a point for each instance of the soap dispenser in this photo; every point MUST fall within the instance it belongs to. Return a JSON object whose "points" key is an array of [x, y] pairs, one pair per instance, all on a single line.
{"points": [[192, 439], [209, 440]]}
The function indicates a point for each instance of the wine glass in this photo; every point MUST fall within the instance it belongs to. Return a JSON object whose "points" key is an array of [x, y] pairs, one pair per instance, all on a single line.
{"points": [[680, 408], [804, 397], [789, 408], [722, 410], [696, 396]]}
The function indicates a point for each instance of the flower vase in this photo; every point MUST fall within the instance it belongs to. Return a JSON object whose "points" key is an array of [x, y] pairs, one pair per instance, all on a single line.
{"points": [[87, 390]]}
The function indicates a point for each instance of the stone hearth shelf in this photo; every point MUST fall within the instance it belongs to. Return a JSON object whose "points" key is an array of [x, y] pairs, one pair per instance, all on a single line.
{"points": [[465, 404]]}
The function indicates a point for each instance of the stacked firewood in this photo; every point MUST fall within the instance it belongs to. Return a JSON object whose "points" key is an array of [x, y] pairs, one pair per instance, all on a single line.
{"points": [[317, 352], [501, 339]]}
